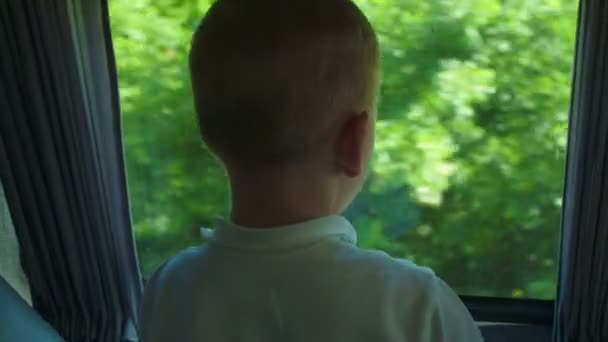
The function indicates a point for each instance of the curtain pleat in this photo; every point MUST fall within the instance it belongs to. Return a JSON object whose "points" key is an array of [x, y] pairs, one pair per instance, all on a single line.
{"points": [[63, 166], [582, 303]]}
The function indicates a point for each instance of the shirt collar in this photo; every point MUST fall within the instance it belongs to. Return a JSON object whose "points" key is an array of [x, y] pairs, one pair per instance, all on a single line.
{"points": [[283, 237]]}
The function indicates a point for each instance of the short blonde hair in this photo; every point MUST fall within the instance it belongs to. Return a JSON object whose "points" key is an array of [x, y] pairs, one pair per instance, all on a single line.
{"points": [[271, 76]]}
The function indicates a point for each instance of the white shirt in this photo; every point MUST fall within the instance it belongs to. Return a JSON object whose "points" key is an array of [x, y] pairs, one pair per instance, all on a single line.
{"points": [[306, 282]]}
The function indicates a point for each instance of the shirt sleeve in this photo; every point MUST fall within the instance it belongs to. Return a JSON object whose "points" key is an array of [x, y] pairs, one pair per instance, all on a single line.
{"points": [[158, 307], [148, 306], [448, 318], [426, 309]]}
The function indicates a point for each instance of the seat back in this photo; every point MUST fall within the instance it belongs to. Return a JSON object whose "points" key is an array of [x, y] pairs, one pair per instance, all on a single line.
{"points": [[19, 321]]}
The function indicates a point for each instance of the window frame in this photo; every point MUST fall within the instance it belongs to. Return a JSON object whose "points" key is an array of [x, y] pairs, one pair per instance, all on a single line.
{"points": [[513, 311], [510, 310]]}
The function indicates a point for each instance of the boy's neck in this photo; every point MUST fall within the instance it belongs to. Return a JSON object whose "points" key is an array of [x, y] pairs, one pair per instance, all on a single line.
{"points": [[271, 200]]}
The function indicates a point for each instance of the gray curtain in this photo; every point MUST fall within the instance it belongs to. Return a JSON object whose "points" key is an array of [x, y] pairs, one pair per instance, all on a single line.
{"points": [[582, 303], [61, 163]]}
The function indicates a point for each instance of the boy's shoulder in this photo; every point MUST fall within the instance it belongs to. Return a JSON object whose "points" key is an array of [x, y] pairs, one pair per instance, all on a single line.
{"points": [[379, 264], [420, 300], [181, 262]]}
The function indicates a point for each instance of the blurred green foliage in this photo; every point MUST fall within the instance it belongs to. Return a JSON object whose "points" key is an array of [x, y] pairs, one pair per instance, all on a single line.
{"points": [[468, 169]]}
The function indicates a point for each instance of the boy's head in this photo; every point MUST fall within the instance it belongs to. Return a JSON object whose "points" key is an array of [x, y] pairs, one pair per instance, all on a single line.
{"points": [[279, 83]]}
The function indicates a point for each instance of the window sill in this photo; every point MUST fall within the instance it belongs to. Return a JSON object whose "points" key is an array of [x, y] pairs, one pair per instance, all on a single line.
{"points": [[511, 311]]}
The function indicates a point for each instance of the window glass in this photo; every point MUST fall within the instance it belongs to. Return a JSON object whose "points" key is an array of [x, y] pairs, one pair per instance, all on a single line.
{"points": [[469, 162]]}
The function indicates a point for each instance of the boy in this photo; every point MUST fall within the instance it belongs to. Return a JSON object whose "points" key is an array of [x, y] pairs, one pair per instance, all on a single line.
{"points": [[285, 92]]}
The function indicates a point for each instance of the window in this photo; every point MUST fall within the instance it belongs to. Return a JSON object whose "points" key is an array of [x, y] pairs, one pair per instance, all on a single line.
{"points": [[472, 129]]}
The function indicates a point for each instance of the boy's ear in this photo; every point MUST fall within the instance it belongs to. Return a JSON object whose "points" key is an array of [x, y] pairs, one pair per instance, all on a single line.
{"points": [[350, 144]]}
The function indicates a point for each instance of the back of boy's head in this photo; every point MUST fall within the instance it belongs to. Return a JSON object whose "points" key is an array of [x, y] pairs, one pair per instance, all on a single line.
{"points": [[272, 77]]}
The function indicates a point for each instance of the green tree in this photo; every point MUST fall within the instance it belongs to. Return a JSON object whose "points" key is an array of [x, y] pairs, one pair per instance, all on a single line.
{"points": [[471, 137]]}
